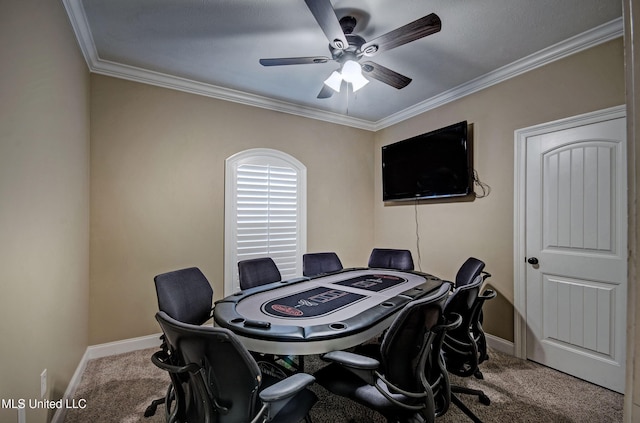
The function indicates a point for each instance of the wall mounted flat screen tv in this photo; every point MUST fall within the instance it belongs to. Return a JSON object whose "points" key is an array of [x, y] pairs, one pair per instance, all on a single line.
{"points": [[438, 164]]}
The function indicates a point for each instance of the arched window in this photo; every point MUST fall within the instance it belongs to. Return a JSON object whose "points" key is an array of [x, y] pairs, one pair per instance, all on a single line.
{"points": [[265, 212]]}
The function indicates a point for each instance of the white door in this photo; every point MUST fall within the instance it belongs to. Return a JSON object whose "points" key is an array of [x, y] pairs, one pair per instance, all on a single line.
{"points": [[575, 236]]}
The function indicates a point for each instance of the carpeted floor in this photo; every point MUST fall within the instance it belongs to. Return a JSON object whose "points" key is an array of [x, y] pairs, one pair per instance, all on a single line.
{"points": [[118, 389]]}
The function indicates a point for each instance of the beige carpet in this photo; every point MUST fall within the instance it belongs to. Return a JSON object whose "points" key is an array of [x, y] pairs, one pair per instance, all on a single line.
{"points": [[118, 389]]}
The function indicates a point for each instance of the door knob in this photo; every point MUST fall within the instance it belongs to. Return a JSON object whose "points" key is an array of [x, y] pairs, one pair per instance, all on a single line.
{"points": [[532, 260]]}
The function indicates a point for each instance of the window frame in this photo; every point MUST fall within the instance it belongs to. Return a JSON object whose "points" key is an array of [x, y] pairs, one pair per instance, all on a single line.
{"points": [[259, 156]]}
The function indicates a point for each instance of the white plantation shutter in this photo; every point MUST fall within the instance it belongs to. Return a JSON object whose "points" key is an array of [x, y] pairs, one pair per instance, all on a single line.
{"points": [[267, 215], [264, 212]]}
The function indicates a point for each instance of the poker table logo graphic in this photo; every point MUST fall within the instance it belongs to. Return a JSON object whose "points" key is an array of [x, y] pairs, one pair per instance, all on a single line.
{"points": [[314, 302], [375, 283]]}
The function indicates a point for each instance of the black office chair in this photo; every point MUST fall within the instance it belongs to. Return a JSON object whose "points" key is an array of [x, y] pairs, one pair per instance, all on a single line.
{"points": [[407, 382], [261, 271], [256, 272], [314, 264], [465, 347], [185, 295], [224, 383], [388, 258]]}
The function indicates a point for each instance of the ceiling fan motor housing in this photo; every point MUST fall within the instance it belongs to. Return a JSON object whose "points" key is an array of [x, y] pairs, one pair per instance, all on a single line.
{"points": [[351, 52], [348, 23]]}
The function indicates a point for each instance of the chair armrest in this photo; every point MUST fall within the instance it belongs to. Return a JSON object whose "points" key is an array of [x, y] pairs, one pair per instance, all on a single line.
{"points": [[287, 387], [453, 320], [360, 365], [160, 358], [351, 360], [488, 294], [277, 396]]}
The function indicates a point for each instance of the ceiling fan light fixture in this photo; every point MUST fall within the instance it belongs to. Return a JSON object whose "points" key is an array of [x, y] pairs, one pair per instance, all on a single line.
{"points": [[351, 70], [359, 83], [352, 73], [334, 81]]}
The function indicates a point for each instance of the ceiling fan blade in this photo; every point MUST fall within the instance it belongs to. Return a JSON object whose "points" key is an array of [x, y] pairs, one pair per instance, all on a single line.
{"points": [[325, 92], [415, 30], [328, 21], [385, 75], [293, 61]]}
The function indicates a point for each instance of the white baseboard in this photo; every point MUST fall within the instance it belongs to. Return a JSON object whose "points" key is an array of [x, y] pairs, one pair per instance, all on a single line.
{"points": [[60, 413], [98, 351], [500, 344], [124, 346]]}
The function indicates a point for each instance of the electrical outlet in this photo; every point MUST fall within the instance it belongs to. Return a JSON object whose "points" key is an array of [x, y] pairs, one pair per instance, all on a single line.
{"points": [[22, 415], [43, 383]]}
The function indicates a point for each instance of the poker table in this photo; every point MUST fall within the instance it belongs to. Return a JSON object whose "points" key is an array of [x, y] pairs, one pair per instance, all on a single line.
{"points": [[316, 315]]}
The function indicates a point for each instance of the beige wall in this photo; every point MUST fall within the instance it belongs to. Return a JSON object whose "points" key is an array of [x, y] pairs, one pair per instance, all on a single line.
{"points": [[157, 160], [451, 232], [157, 184], [44, 202]]}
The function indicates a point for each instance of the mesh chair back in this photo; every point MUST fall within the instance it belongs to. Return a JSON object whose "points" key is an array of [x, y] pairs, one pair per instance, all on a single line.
{"points": [[460, 346], [387, 258], [185, 295], [463, 298], [227, 386], [410, 347], [468, 283], [464, 347], [256, 272], [469, 270], [314, 264]]}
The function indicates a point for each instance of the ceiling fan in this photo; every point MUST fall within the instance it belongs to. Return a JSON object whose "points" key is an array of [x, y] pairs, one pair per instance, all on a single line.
{"points": [[348, 49]]}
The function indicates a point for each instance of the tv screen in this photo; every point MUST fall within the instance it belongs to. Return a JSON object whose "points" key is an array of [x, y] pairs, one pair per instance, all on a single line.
{"points": [[437, 164]]}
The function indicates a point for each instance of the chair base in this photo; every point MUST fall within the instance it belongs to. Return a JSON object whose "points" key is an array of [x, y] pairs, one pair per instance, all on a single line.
{"points": [[482, 397], [167, 401], [151, 409]]}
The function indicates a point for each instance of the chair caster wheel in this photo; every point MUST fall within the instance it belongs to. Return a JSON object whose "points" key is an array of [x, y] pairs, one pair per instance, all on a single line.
{"points": [[150, 411], [484, 400]]}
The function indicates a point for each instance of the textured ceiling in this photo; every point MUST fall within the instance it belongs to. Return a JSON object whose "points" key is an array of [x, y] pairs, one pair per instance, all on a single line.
{"points": [[212, 47]]}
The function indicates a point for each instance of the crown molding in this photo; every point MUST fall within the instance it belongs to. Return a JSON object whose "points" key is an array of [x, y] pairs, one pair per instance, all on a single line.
{"points": [[80, 25], [131, 73], [78, 20], [580, 42]]}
